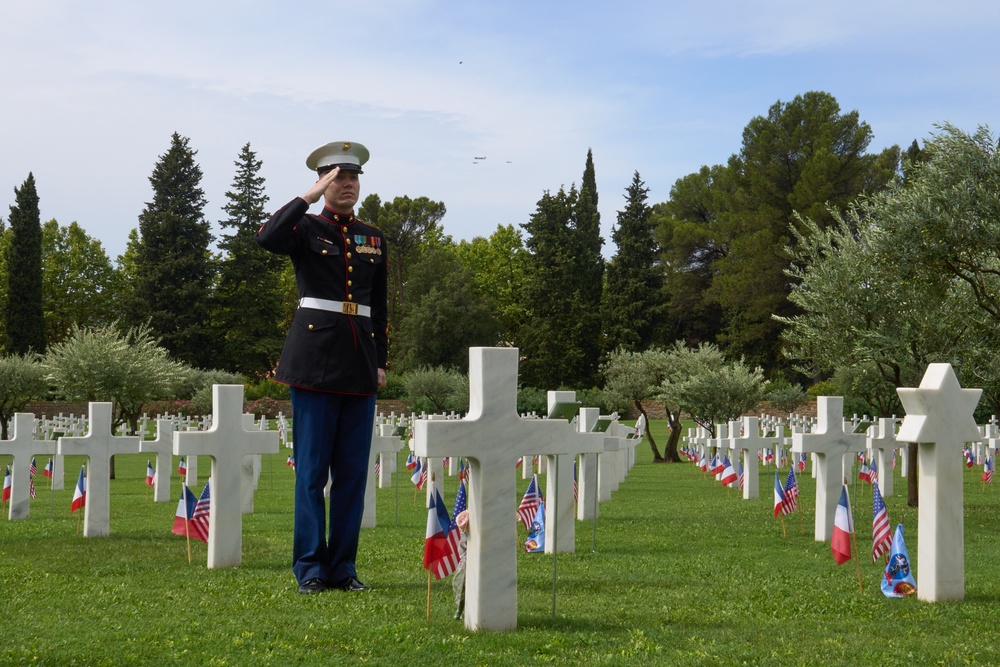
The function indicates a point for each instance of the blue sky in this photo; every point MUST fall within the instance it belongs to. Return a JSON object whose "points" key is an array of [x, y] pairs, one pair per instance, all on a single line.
{"points": [[93, 90]]}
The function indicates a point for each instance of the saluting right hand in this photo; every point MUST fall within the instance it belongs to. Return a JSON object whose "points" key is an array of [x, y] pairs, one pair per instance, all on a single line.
{"points": [[320, 186]]}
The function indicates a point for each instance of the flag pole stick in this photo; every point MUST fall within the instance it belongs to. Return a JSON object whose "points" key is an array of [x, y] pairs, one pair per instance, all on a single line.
{"points": [[428, 595], [187, 534], [783, 533], [554, 461], [857, 561]]}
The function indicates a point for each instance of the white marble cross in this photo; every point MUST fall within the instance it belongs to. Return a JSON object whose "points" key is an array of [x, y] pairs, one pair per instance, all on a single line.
{"points": [[250, 469], [587, 482], [22, 446], [163, 447], [99, 445], [559, 482], [882, 441], [227, 442], [829, 443], [939, 418], [492, 435], [385, 442], [749, 444]]}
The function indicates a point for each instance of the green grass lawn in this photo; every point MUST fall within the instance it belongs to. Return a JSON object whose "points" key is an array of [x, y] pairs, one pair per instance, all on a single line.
{"points": [[684, 573]]}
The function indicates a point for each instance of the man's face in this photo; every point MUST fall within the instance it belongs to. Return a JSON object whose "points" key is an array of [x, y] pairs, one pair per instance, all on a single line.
{"points": [[342, 193]]}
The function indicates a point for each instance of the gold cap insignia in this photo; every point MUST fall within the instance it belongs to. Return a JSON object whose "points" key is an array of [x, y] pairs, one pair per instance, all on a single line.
{"points": [[346, 146]]}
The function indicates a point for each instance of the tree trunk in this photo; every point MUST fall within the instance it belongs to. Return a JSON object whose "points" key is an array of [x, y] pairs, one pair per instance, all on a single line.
{"points": [[674, 424], [649, 435], [912, 488]]}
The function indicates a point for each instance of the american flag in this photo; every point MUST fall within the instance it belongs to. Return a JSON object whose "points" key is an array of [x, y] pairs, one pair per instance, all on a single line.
{"points": [[881, 537], [378, 464], [576, 486], [461, 504], [791, 492], [529, 503], [893, 459], [31, 487], [198, 525], [741, 480], [32, 469], [988, 471], [873, 473]]}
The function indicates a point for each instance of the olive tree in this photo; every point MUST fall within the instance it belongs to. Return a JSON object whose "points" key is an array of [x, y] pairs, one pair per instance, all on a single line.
{"points": [[127, 368], [22, 379]]}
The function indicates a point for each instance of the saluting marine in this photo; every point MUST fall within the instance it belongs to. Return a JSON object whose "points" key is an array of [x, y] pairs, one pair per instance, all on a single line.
{"points": [[334, 360]]}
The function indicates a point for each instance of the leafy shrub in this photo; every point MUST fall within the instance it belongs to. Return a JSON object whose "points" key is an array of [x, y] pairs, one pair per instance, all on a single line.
{"points": [[395, 387], [266, 406], [531, 399], [785, 396], [267, 388]]}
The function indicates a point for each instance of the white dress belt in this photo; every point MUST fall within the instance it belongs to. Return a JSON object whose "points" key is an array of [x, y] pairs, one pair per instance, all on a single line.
{"points": [[345, 307]]}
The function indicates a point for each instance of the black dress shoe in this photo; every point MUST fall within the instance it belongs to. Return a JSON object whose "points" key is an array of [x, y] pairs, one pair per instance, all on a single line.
{"points": [[353, 585], [312, 586]]}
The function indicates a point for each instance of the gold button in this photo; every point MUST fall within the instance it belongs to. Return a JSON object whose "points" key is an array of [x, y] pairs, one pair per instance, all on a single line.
{"points": [[324, 252], [347, 241], [348, 255], [310, 327], [350, 268], [344, 229], [372, 260], [350, 297], [373, 334], [350, 284]]}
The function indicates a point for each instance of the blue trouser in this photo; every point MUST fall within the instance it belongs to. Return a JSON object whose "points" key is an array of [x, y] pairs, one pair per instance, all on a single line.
{"points": [[332, 437]]}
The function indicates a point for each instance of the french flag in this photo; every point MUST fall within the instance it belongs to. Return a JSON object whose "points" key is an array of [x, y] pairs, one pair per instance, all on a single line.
{"points": [[47, 471], [80, 494], [729, 473], [843, 526], [150, 473], [182, 467]]}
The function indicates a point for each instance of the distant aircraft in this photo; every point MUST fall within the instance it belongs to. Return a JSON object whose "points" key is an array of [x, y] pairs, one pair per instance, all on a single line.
{"points": [[480, 158]]}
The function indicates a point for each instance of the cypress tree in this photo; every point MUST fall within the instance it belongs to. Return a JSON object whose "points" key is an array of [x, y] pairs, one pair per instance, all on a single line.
{"points": [[634, 299], [589, 273], [173, 264], [551, 337], [24, 316], [249, 300]]}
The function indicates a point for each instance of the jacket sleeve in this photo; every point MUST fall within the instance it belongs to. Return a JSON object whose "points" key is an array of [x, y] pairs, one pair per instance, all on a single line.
{"points": [[380, 317], [278, 233]]}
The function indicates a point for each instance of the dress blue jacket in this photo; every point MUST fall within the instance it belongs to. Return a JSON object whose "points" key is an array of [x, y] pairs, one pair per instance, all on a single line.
{"points": [[336, 258]]}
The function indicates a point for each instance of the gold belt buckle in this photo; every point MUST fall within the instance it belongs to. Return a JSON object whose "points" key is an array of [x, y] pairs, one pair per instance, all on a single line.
{"points": [[350, 308]]}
